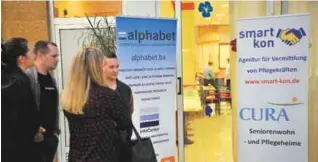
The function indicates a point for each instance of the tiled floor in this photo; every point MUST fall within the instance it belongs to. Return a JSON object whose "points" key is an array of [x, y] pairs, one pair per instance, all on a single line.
{"points": [[212, 139]]}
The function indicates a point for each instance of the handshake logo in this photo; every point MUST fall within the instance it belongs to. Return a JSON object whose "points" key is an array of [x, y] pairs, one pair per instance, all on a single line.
{"points": [[291, 36]]}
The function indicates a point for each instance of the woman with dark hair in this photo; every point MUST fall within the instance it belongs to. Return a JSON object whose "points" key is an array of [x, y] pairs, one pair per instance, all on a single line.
{"points": [[18, 108]]}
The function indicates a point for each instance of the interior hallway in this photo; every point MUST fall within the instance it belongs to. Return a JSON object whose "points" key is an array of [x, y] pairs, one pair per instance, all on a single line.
{"points": [[212, 139]]}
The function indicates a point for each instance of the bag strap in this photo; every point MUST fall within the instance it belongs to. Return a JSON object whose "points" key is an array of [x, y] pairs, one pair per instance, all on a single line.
{"points": [[136, 132], [132, 124]]}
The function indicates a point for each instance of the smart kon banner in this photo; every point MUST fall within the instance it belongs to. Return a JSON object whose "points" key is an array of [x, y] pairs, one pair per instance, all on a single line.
{"points": [[146, 49], [272, 71]]}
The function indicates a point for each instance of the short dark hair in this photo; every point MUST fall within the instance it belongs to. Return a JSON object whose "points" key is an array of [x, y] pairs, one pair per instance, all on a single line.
{"points": [[42, 46], [112, 55]]}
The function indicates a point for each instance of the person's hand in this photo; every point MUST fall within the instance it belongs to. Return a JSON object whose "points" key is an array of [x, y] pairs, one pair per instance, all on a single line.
{"points": [[233, 45], [39, 137]]}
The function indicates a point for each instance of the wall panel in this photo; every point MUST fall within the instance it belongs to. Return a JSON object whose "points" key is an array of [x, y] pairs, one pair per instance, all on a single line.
{"points": [[24, 19]]}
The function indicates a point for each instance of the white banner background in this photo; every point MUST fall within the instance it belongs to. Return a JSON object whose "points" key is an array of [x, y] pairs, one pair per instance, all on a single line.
{"points": [[273, 95], [148, 66]]}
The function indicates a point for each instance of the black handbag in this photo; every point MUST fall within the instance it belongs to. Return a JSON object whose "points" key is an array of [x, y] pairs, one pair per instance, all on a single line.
{"points": [[138, 150], [142, 149]]}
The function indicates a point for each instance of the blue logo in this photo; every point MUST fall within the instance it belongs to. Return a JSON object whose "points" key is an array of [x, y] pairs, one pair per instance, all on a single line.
{"points": [[264, 38], [149, 120], [146, 35], [264, 114], [291, 36], [149, 123], [206, 9], [122, 35]]}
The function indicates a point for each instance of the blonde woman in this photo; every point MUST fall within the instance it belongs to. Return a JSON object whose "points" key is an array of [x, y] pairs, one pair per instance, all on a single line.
{"points": [[93, 110]]}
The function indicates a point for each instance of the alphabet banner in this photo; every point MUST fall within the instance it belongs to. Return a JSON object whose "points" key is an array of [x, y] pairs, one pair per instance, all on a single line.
{"points": [[146, 49], [272, 81]]}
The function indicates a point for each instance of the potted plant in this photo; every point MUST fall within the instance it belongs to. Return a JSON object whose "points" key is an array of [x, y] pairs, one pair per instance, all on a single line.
{"points": [[101, 35]]}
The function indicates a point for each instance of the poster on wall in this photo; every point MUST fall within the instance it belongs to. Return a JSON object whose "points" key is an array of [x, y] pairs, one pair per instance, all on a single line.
{"points": [[272, 68], [146, 49]]}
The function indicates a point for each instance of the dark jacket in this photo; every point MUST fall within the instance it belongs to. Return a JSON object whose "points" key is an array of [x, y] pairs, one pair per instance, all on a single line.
{"points": [[126, 94], [93, 136], [20, 120], [32, 73]]}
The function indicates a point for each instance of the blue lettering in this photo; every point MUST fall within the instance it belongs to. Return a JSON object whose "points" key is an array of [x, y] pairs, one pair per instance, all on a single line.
{"points": [[264, 114], [254, 114], [250, 34], [272, 32], [260, 33], [242, 115], [270, 43], [257, 33], [270, 114], [257, 36], [241, 34], [148, 35], [263, 43], [256, 44], [283, 114]]}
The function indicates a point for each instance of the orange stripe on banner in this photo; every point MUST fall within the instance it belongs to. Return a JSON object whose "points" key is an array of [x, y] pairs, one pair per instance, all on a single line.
{"points": [[184, 5], [168, 159]]}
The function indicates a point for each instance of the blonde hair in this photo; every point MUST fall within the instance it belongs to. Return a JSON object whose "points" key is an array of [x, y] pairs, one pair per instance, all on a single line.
{"points": [[86, 67]]}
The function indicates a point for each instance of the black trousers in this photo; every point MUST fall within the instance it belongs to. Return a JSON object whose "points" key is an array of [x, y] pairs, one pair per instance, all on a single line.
{"points": [[46, 150]]}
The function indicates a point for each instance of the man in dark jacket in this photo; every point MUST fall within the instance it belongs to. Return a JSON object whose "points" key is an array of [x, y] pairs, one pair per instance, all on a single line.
{"points": [[46, 94]]}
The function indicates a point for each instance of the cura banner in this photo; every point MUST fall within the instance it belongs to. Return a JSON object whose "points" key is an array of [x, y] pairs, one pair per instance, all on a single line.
{"points": [[272, 59]]}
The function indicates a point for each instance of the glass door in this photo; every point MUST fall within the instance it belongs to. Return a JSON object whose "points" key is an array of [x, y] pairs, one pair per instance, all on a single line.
{"points": [[206, 94]]}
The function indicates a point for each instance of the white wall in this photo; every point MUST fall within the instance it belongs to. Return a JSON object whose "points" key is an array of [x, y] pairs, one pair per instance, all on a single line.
{"points": [[150, 8]]}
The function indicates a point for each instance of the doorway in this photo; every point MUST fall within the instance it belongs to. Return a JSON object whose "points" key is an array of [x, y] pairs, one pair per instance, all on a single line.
{"points": [[200, 128], [206, 90]]}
